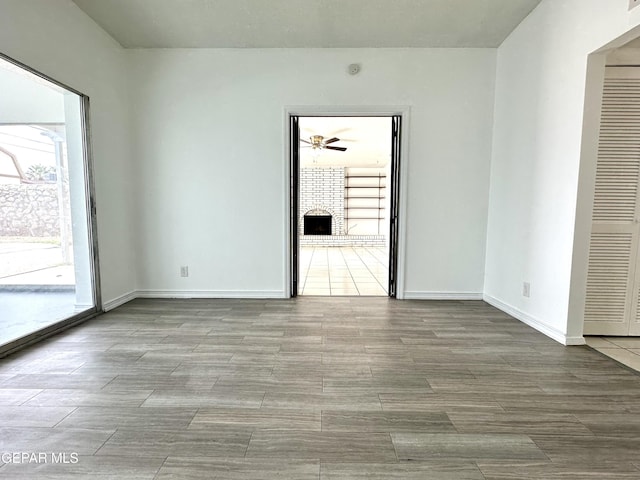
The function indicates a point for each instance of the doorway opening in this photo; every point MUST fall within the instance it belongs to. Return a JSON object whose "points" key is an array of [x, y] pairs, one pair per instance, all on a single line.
{"points": [[48, 266], [606, 275], [344, 205], [612, 304]]}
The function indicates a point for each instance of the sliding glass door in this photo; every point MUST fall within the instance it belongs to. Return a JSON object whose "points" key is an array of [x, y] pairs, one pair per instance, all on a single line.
{"points": [[48, 269]]}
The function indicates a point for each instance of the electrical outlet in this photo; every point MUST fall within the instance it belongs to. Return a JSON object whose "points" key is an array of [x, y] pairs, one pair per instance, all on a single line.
{"points": [[633, 3], [526, 289], [184, 271]]}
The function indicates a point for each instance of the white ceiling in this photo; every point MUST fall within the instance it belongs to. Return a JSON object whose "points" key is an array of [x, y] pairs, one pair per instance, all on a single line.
{"points": [[367, 139], [307, 23]]}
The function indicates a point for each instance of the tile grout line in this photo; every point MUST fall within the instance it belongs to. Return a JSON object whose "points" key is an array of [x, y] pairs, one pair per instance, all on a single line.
{"points": [[246, 450], [480, 470], [161, 467], [375, 277], [66, 416], [105, 442], [350, 273]]}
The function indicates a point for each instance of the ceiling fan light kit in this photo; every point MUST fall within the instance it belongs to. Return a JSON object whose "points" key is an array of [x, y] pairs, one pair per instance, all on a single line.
{"points": [[318, 142]]}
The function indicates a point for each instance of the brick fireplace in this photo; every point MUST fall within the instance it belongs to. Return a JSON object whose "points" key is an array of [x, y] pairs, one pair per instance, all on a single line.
{"points": [[321, 216]]}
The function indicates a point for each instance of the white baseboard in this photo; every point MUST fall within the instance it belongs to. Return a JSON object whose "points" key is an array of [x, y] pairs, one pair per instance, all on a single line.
{"points": [[127, 297], [442, 296], [210, 294], [116, 302], [533, 322], [574, 340], [121, 300]]}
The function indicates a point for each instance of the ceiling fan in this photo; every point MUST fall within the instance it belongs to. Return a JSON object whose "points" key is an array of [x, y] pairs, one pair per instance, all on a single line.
{"points": [[318, 142]]}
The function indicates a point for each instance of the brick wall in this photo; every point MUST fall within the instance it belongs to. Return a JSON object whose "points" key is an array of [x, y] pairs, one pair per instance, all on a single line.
{"points": [[343, 241], [322, 190]]}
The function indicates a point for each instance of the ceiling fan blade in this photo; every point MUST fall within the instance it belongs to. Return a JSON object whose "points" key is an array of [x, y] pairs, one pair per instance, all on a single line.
{"points": [[305, 141], [331, 140], [341, 149]]}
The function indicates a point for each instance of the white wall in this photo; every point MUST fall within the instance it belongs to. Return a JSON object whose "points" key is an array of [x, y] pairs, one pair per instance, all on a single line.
{"points": [[540, 100], [211, 157], [58, 39]]}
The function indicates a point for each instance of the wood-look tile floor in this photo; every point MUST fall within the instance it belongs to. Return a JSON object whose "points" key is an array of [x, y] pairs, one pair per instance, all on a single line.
{"points": [[316, 388]]}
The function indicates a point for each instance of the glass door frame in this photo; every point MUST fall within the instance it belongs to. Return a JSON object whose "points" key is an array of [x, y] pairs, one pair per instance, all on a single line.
{"points": [[92, 234]]}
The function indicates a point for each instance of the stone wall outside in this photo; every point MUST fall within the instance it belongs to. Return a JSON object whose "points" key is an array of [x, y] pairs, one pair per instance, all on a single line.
{"points": [[29, 210]]}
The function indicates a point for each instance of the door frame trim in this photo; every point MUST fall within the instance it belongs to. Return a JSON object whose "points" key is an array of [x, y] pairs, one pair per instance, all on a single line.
{"points": [[404, 111]]}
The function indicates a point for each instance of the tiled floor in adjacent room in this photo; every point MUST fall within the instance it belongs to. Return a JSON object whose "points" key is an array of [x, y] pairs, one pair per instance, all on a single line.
{"points": [[316, 388], [350, 271], [625, 350]]}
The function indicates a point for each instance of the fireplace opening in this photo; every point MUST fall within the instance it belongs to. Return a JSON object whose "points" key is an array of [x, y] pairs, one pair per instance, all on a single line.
{"points": [[317, 224]]}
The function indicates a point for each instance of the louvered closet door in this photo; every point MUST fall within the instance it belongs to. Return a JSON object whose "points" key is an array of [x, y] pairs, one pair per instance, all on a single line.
{"points": [[612, 284]]}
